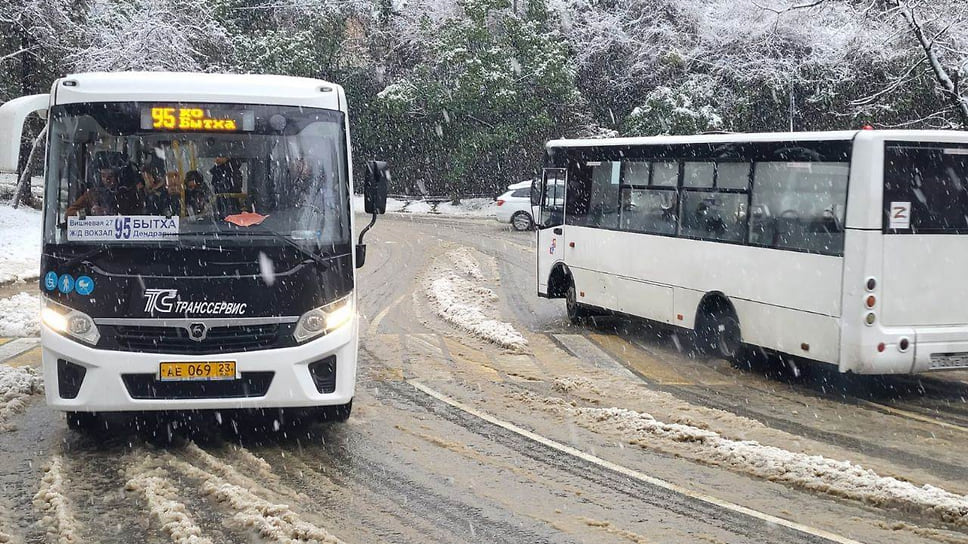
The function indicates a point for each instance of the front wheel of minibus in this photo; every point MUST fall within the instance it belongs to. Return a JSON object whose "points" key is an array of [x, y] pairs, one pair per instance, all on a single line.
{"points": [[576, 311], [335, 414], [83, 421]]}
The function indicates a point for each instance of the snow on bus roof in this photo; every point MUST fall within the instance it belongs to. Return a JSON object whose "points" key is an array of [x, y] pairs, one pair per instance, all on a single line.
{"points": [[201, 87], [741, 137], [707, 138]]}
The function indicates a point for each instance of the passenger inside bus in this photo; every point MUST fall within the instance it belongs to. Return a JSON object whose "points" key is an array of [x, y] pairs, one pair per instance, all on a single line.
{"points": [[107, 197], [157, 199], [197, 195]]}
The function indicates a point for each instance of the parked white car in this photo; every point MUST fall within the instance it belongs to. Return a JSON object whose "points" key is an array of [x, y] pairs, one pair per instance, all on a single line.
{"points": [[514, 206]]}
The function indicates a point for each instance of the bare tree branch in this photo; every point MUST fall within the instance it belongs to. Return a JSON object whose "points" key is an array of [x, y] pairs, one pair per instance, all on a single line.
{"points": [[941, 74]]}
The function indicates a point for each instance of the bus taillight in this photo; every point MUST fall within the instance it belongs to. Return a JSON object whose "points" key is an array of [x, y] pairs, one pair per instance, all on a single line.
{"points": [[870, 301]]}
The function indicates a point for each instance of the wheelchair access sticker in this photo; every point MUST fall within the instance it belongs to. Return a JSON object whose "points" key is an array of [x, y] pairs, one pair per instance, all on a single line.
{"points": [[121, 228], [50, 281]]}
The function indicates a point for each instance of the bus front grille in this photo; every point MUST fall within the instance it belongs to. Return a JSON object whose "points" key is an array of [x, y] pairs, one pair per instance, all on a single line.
{"points": [[151, 339], [146, 386]]}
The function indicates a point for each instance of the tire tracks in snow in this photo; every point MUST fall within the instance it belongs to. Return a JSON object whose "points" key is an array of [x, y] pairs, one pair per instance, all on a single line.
{"points": [[250, 511], [55, 508]]}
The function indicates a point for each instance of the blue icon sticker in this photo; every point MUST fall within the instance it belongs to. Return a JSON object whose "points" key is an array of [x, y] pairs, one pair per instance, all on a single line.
{"points": [[65, 284], [84, 285], [50, 281]]}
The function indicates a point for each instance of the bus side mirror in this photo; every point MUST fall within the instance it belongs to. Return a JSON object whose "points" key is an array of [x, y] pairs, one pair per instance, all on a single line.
{"points": [[13, 113], [376, 187], [535, 192]]}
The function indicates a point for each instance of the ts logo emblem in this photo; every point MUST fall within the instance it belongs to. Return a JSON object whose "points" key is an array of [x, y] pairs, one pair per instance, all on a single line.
{"points": [[554, 244], [160, 300]]}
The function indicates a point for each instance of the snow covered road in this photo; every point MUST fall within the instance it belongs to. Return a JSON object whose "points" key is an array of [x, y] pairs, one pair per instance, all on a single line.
{"points": [[601, 433]]}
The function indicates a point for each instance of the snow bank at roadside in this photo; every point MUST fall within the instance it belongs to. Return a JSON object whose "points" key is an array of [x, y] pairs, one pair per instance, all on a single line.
{"points": [[20, 233], [454, 288], [55, 508], [813, 472], [468, 207], [8, 185], [16, 385], [20, 315]]}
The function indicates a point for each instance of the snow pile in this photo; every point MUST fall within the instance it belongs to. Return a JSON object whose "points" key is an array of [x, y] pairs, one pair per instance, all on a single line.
{"points": [[813, 472], [468, 207], [8, 186], [16, 385], [456, 293], [274, 522], [20, 315], [418, 207], [570, 384], [54, 507], [163, 505], [20, 233]]}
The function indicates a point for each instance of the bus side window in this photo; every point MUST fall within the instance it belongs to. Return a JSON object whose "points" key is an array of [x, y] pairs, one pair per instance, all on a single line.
{"points": [[596, 196], [799, 206]]}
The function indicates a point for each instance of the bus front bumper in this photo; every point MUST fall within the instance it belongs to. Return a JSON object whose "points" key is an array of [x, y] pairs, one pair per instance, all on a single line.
{"points": [[114, 381]]}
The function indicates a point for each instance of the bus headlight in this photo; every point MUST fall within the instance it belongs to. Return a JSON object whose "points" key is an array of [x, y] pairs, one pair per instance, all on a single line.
{"points": [[70, 322], [324, 319]]}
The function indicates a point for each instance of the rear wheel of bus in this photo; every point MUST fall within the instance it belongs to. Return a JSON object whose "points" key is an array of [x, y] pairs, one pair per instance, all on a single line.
{"points": [[718, 333]]}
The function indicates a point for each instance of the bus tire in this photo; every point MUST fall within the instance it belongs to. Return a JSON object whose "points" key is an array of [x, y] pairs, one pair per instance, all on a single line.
{"points": [[82, 421], [336, 414], [576, 311], [718, 333], [522, 221]]}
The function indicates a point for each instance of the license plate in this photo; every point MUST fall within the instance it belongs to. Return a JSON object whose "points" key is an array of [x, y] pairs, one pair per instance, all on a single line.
{"points": [[200, 370]]}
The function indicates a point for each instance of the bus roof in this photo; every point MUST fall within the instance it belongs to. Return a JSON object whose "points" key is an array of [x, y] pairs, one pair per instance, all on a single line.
{"points": [[197, 87], [741, 137]]}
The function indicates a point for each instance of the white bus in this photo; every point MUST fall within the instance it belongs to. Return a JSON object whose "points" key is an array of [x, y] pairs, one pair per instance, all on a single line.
{"points": [[849, 248], [197, 242]]}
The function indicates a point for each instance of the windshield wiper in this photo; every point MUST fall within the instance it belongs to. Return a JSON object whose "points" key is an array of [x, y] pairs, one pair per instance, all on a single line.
{"points": [[84, 257], [316, 257]]}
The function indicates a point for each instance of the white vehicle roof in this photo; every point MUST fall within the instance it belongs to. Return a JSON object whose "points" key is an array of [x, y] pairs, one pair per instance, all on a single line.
{"points": [[520, 185], [739, 137], [197, 87]]}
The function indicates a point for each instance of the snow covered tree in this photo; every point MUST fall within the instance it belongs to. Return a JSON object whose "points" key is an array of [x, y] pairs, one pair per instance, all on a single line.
{"points": [[673, 111], [494, 87], [153, 35], [35, 36]]}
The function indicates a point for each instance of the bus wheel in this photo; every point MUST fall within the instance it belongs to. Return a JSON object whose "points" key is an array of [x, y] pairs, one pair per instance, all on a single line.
{"points": [[718, 333], [522, 221], [576, 312], [82, 421], [336, 413]]}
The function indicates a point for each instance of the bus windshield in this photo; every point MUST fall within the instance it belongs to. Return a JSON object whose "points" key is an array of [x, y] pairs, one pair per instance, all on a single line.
{"points": [[135, 172]]}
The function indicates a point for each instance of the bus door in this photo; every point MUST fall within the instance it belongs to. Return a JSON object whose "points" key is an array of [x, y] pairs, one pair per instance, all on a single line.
{"points": [[550, 221]]}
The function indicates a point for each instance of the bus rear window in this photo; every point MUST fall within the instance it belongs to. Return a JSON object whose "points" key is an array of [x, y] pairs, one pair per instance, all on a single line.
{"points": [[925, 188]]}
